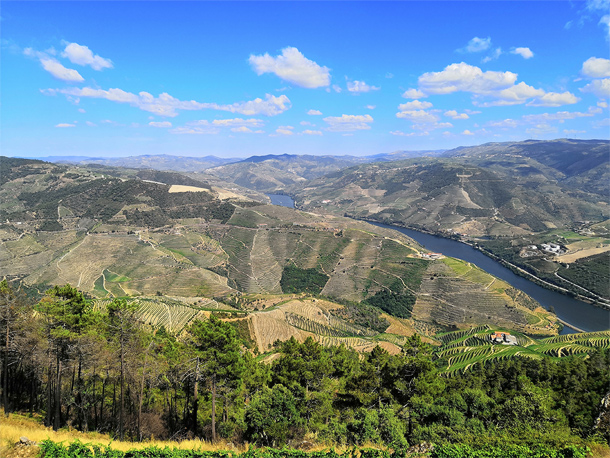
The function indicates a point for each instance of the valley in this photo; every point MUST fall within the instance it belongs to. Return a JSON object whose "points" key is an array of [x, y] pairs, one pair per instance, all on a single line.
{"points": [[285, 290]]}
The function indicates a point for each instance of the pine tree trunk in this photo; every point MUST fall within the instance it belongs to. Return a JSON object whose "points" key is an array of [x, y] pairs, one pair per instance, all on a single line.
{"points": [[121, 405], [214, 408], [49, 394], [5, 367], [57, 419], [196, 399]]}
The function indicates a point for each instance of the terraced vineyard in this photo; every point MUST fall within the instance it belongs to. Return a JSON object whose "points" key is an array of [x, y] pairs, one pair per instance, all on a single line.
{"points": [[140, 240], [173, 315], [335, 328], [463, 349]]}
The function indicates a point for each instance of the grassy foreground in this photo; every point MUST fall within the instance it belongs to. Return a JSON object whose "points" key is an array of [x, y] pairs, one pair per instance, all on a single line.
{"points": [[72, 443], [15, 426]]}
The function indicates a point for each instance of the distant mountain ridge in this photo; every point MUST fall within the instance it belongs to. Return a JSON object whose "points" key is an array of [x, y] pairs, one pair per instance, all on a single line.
{"points": [[163, 162], [493, 189], [581, 164], [279, 171]]}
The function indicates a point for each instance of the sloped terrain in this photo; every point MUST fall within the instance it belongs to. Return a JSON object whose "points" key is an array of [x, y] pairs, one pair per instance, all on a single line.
{"points": [[450, 195], [462, 350], [114, 237]]}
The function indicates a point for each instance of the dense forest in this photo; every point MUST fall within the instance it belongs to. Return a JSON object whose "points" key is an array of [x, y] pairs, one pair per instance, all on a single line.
{"points": [[103, 370]]}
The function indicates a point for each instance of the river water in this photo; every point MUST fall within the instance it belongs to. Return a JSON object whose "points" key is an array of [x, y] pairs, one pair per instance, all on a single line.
{"points": [[578, 313], [279, 199]]}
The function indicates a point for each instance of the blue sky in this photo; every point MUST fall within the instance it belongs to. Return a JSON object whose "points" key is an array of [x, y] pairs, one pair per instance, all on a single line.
{"points": [[235, 79]]}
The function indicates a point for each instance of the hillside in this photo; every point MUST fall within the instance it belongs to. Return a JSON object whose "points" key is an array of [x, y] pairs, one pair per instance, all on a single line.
{"points": [[579, 164], [443, 195], [273, 173], [111, 237]]}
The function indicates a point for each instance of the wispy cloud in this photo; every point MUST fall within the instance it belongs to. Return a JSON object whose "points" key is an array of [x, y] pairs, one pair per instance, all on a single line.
{"points": [[360, 86], [160, 124], [599, 88], [238, 122], [348, 123], [166, 105], [476, 45], [284, 130], [493, 56]]}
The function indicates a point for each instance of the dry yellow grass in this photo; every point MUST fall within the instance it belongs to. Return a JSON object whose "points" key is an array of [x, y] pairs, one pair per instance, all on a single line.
{"points": [[181, 188], [571, 257], [15, 426], [226, 194]]}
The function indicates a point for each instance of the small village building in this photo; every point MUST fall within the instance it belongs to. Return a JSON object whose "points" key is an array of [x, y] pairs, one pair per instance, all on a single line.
{"points": [[503, 338], [432, 255]]}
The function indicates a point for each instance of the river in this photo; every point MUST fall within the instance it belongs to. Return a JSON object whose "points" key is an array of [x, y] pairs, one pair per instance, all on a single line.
{"points": [[580, 314]]}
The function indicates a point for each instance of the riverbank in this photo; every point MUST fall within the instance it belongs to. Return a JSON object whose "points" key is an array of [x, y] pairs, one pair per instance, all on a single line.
{"points": [[577, 314], [595, 301]]}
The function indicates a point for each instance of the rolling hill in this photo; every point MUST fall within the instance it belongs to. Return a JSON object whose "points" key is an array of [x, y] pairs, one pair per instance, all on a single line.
{"points": [[126, 237]]}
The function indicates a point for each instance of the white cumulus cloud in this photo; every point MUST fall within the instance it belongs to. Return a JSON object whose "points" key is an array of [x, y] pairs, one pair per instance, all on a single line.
{"points": [[455, 115], [417, 116], [500, 87], [526, 53], [467, 78], [596, 67], [82, 55], [554, 99], [413, 94], [271, 106], [414, 105], [348, 123], [292, 66], [312, 132], [360, 86], [60, 72], [467, 132], [314, 113], [600, 88], [54, 67], [242, 129]]}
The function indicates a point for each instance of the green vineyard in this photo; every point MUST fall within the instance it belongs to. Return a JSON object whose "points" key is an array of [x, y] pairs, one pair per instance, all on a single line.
{"points": [[463, 349]]}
